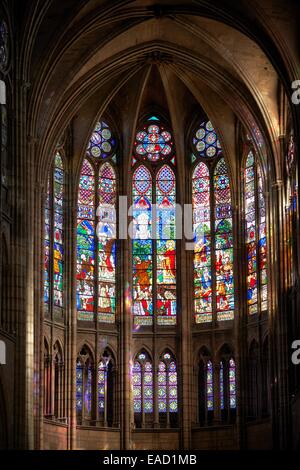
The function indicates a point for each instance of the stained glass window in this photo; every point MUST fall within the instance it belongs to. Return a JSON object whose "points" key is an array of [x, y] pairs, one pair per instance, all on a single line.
{"points": [[213, 231], [162, 387], [142, 380], [137, 387], [102, 384], [227, 386], [47, 247], [206, 143], [86, 243], [232, 384], [223, 243], [154, 143], [256, 241], [142, 249], [222, 404], [202, 233], [88, 389], [79, 387], [96, 230], [209, 386], [54, 236], [290, 159], [154, 205], [167, 385], [106, 233], [58, 246], [106, 390], [262, 242], [102, 144]]}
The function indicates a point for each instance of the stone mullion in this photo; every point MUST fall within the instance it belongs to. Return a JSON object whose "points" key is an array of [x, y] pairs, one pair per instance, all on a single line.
{"points": [[155, 391], [168, 392], [154, 297], [105, 396], [205, 393], [72, 315], [213, 252], [62, 394], [241, 308], [214, 323], [115, 423], [95, 408], [240, 311], [184, 359], [257, 223], [226, 388], [127, 418], [216, 389]]}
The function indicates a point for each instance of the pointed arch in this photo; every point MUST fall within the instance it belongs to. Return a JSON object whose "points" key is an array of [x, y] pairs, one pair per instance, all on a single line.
{"points": [[205, 386], [154, 289], [106, 385], [106, 233], [142, 380], [202, 238], [256, 235], [213, 228], [167, 389], [96, 229], [84, 385], [227, 383], [142, 246], [47, 378], [223, 242], [58, 386], [166, 246], [86, 251]]}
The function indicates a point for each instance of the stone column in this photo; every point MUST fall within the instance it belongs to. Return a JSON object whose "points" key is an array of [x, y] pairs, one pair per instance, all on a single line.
{"points": [[279, 346], [22, 266]]}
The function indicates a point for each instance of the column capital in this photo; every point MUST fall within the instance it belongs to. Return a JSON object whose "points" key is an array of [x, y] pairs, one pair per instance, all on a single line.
{"points": [[277, 184]]}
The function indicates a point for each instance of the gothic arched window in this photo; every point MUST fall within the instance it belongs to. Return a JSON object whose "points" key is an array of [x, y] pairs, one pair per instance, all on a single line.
{"points": [[106, 389], [256, 238], [58, 387], [154, 237], [54, 238], [167, 389], [227, 388], [142, 379], [96, 229], [47, 379], [205, 387], [213, 231], [84, 386]]}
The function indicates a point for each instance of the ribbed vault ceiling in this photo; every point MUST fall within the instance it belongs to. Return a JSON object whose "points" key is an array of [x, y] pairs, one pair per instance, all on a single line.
{"points": [[90, 57]]}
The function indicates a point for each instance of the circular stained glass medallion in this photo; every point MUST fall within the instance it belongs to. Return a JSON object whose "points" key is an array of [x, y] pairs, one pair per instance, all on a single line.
{"points": [[205, 141], [102, 144], [154, 143]]}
